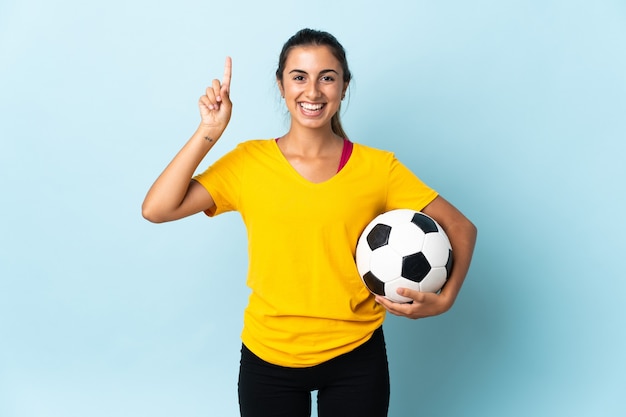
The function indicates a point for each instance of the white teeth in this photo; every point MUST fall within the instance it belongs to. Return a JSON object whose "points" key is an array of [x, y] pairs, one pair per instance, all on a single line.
{"points": [[309, 106]]}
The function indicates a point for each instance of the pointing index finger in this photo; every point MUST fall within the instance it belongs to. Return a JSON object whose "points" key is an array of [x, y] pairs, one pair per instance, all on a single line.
{"points": [[228, 70]]}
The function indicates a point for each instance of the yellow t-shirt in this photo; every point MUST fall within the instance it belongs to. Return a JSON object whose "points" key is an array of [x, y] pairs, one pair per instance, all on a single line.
{"points": [[308, 303]]}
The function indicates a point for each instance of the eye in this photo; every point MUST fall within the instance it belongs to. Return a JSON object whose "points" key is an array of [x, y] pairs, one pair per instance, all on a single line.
{"points": [[328, 78], [298, 78]]}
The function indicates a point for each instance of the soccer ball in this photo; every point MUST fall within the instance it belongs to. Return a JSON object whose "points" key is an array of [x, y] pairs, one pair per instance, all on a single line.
{"points": [[403, 248]]}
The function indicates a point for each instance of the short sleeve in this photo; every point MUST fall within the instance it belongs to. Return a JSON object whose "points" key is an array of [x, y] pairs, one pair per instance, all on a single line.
{"points": [[407, 190], [223, 181]]}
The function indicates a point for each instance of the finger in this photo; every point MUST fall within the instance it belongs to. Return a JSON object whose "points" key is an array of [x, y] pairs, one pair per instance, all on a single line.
{"points": [[398, 309], [228, 71], [217, 87], [211, 100], [410, 293], [210, 94], [392, 309], [385, 302], [205, 103]]}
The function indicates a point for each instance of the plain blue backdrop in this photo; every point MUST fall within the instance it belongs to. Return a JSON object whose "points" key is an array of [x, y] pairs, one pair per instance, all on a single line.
{"points": [[514, 110]]}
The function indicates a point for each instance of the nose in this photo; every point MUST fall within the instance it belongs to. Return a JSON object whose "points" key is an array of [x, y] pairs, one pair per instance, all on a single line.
{"points": [[313, 90]]}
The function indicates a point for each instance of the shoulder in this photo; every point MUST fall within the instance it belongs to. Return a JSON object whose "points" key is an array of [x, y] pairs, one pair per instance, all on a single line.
{"points": [[370, 149], [254, 144], [251, 147], [380, 160], [369, 152]]}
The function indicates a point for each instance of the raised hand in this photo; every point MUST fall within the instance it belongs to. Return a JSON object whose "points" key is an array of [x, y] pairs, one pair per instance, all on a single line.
{"points": [[215, 105]]}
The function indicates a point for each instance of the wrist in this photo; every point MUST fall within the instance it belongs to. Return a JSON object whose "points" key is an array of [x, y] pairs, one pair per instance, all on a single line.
{"points": [[208, 134]]}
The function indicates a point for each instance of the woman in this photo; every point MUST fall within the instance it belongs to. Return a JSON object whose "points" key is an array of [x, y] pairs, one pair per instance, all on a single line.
{"points": [[310, 323]]}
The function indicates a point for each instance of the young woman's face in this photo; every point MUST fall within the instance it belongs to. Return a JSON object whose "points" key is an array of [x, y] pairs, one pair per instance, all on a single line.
{"points": [[312, 86]]}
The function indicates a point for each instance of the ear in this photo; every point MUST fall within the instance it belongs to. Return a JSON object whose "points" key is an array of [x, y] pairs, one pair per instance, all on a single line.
{"points": [[345, 89]]}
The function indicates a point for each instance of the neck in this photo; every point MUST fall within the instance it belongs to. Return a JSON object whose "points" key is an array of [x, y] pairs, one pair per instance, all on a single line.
{"points": [[310, 141]]}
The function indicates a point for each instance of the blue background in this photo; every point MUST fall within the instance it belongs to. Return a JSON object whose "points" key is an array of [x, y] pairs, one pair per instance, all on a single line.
{"points": [[514, 110]]}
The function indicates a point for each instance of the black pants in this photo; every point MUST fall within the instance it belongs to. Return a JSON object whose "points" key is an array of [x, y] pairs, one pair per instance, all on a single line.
{"points": [[353, 384]]}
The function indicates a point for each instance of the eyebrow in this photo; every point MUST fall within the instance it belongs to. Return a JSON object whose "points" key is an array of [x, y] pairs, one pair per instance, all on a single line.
{"points": [[321, 72]]}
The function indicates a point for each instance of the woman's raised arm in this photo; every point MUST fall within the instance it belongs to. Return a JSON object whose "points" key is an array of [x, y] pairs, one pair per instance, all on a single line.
{"points": [[174, 194]]}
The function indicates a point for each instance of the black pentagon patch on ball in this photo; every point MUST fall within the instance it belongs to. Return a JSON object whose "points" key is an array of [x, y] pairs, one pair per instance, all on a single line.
{"points": [[415, 267], [374, 284], [425, 223], [378, 236]]}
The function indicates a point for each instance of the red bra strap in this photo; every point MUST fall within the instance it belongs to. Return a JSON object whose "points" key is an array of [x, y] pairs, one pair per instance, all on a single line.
{"points": [[345, 154]]}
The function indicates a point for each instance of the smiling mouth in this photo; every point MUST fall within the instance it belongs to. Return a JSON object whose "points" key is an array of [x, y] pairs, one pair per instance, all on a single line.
{"points": [[311, 107]]}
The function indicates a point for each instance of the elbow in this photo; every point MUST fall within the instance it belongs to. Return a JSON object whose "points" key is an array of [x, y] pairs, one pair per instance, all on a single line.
{"points": [[471, 230], [151, 214], [465, 228]]}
